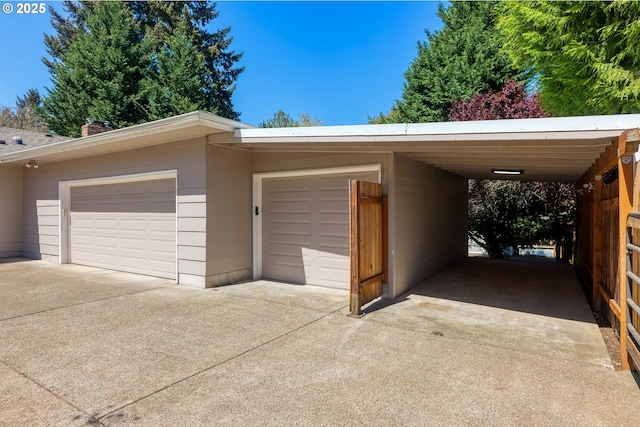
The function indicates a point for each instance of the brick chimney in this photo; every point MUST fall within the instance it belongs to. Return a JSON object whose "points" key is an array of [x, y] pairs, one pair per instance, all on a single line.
{"points": [[94, 126]]}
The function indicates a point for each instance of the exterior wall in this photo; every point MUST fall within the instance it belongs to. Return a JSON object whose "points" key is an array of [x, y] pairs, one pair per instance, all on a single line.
{"points": [[280, 162], [272, 162], [10, 211], [42, 199], [429, 221], [229, 215]]}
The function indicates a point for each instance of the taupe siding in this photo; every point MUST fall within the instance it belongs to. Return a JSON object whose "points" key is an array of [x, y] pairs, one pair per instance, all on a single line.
{"points": [[279, 162], [10, 211], [41, 198], [229, 215], [306, 228], [273, 162], [430, 221]]}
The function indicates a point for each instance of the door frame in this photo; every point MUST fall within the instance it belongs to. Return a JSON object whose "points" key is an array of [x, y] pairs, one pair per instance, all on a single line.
{"points": [[257, 199], [64, 192]]}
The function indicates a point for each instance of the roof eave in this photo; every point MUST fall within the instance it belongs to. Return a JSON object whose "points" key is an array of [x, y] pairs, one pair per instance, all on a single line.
{"points": [[197, 118], [611, 123]]}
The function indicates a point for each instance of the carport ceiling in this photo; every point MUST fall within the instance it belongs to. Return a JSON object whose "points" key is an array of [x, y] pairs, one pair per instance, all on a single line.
{"points": [[549, 149]]}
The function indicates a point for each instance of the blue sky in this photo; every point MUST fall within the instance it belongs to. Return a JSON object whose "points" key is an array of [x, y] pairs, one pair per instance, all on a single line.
{"points": [[340, 62]]}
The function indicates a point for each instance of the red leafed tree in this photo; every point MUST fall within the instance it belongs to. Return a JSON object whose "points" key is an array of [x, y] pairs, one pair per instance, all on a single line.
{"points": [[514, 214], [512, 102]]}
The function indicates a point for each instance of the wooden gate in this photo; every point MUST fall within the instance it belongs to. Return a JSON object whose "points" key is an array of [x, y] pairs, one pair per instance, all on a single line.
{"points": [[632, 318], [366, 222]]}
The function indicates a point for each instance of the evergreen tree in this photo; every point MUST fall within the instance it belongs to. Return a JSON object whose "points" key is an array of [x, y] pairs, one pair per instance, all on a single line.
{"points": [[67, 30], [461, 59], [159, 19], [281, 119], [176, 79], [101, 73], [584, 56], [156, 22], [27, 114]]}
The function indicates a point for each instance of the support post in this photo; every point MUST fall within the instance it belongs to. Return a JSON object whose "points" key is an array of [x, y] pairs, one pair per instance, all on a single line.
{"points": [[625, 197]]}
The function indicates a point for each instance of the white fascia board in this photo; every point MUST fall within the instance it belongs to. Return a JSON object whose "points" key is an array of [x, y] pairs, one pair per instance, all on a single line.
{"points": [[196, 118], [513, 126]]}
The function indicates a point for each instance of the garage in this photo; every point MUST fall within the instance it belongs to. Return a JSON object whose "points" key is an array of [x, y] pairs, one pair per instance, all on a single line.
{"points": [[126, 226], [305, 227]]}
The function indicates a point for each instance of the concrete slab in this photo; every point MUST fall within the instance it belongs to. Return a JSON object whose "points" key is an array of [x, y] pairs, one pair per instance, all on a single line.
{"points": [[31, 286], [534, 305], [26, 403], [109, 353], [341, 371], [464, 348]]}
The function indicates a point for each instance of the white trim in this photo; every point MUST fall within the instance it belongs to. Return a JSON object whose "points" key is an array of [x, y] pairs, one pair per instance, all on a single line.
{"points": [[64, 191], [596, 124], [257, 200]]}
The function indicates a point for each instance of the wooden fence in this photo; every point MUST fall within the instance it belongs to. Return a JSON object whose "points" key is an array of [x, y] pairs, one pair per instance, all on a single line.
{"points": [[608, 194]]}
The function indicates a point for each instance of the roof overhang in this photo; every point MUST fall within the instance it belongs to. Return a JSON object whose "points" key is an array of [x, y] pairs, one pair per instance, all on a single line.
{"points": [[183, 127], [546, 149]]}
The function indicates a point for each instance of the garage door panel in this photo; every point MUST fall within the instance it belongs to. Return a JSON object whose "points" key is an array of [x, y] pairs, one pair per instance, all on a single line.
{"points": [[127, 226], [163, 225], [316, 207], [133, 244], [104, 259]]}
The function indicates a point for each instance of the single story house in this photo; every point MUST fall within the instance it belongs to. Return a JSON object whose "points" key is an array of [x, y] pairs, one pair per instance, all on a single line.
{"points": [[208, 201]]}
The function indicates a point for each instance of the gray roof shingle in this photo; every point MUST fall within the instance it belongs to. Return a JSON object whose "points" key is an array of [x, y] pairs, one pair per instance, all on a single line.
{"points": [[29, 139]]}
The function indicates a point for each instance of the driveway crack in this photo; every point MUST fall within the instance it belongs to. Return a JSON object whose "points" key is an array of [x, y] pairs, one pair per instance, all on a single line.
{"points": [[234, 357], [91, 419], [86, 302]]}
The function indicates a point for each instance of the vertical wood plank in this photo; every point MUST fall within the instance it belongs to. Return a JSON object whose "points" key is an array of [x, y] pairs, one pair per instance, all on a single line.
{"points": [[366, 244], [385, 238], [354, 294], [596, 241]]}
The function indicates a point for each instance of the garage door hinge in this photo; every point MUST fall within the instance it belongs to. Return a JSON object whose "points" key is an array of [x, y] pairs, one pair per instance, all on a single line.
{"points": [[257, 210]]}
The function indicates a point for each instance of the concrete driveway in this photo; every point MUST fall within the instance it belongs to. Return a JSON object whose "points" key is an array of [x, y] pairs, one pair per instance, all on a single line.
{"points": [[83, 346]]}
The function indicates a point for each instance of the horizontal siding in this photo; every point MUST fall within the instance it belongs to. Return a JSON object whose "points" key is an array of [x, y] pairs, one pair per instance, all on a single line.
{"points": [[275, 162], [11, 211], [229, 214], [41, 191], [430, 221], [281, 162]]}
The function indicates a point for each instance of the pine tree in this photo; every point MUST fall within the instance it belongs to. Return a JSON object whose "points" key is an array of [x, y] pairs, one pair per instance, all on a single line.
{"points": [[159, 19], [176, 79], [281, 119], [26, 115], [583, 56], [156, 22], [461, 59], [100, 75]]}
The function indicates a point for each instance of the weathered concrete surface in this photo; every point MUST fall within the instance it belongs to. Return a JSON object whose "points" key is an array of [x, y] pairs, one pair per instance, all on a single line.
{"points": [[484, 343]]}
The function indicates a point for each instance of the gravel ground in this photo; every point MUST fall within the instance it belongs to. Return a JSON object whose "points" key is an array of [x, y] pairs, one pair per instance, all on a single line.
{"points": [[610, 337]]}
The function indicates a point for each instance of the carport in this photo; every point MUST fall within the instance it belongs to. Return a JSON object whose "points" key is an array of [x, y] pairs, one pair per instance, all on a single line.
{"points": [[202, 177], [580, 150]]}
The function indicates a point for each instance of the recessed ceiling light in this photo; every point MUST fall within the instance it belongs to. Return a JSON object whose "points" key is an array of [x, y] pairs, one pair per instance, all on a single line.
{"points": [[507, 171]]}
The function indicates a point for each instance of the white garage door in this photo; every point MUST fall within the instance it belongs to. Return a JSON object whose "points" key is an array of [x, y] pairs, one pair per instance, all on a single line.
{"points": [[127, 227], [305, 237]]}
